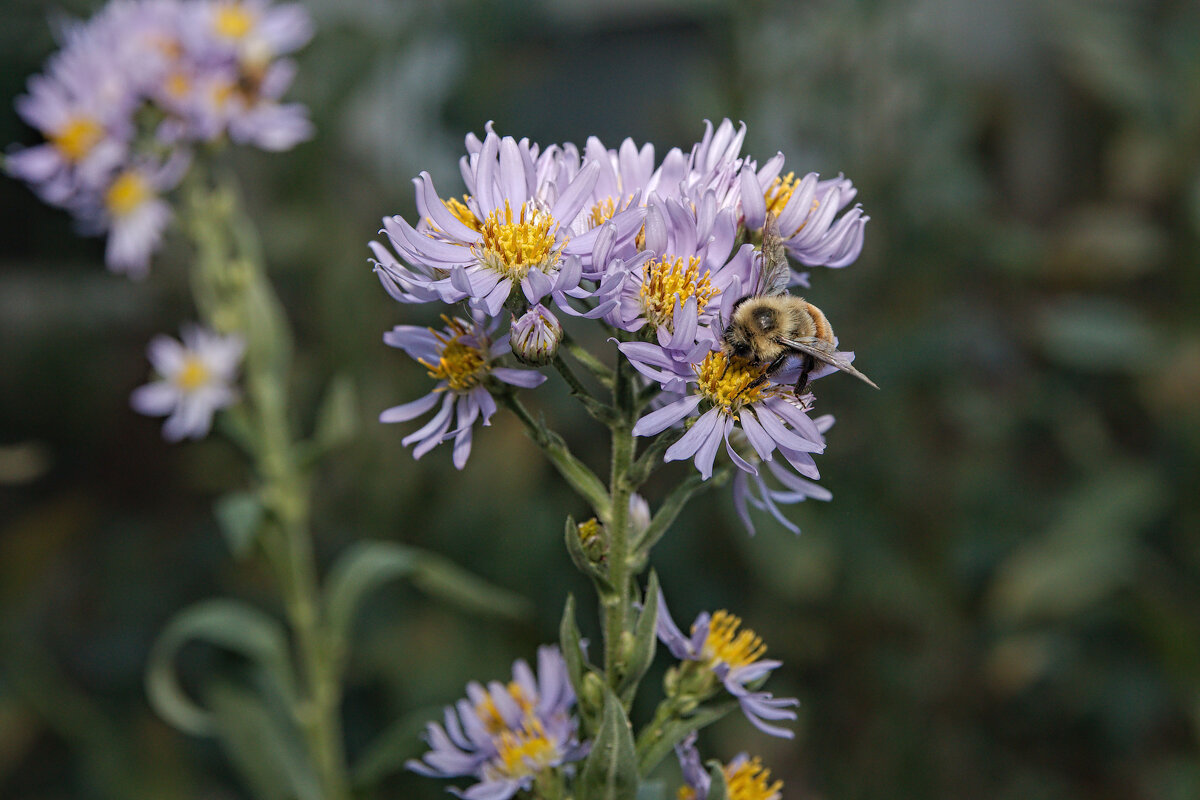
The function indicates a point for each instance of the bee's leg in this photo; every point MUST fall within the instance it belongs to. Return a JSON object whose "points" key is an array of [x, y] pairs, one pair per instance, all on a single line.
{"points": [[807, 363]]}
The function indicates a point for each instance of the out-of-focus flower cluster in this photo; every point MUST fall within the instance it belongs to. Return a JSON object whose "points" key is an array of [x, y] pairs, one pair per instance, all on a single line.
{"points": [[658, 252], [135, 88]]}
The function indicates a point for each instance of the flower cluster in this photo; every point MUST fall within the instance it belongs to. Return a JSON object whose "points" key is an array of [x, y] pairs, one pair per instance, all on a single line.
{"points": [[659, 253], [135, 88], [506, 735]]}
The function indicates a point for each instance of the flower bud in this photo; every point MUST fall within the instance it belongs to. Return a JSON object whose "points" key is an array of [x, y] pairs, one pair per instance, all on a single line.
{"points": [[535, 336]]}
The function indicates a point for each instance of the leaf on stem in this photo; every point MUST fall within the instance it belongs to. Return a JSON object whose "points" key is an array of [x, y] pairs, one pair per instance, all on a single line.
{"points": [[654, 744], [230, 625], [337, 420], [610, 772], [240, 516], [718, 786], [366, 566], [645, 639]]}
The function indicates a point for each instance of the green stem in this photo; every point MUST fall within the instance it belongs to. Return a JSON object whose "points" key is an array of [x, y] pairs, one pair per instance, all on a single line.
{"points": [[592, 364], [598, 410], [615, 605], [233, 293]]}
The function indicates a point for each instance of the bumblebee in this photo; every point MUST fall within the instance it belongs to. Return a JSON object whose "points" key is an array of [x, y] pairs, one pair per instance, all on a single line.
{"points": [[769, 326]]}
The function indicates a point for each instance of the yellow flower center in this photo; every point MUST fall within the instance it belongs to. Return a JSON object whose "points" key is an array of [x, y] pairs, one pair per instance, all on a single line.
{"points": [[748, 781], [193, 375], [77, 138], [602, 212], [177, 85], [127, 193], [233, 21], [461, 365], [463, 212], [523, 752], [726, 381], [512, 248], [491, 717], [668, 280], [726, 644], [780, 193]]}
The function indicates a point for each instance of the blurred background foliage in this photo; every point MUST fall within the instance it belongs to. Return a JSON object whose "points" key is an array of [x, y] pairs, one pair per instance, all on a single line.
{"points": [[1003, 598]]}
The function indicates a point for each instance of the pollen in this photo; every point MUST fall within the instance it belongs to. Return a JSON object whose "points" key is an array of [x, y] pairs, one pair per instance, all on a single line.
{"points": [[729, 382], [177, 85], [668, 280], [193, 374], [727, 645], [524, 752], [232, 21], [461, 365], [749, 781], [77, 138], [512, 247], [127, 193]]}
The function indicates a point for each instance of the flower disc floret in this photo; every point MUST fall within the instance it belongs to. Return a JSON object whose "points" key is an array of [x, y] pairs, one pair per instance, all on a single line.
{"points": [[461, 365], [725, 644], [523, 753], [670, 281], [729, 382], [127, 193], [511, 248], [77, 137], [748, 779]]}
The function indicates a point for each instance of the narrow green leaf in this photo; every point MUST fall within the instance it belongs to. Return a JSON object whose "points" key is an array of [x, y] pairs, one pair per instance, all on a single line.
{"points": [[366, 566], [645, 640], [718, 787], [230, 625], [240, 516], [337, 420], [654, 745], [610, 772], [399, 742], [671, 507], [572, 648], [262, 744], [575, 547]]}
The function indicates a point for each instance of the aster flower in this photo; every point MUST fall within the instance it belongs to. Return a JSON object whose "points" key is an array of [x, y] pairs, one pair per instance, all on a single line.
{"points": [[535, 336], [734, 395], [513, 229], [505, 735], [745, 778], [195, 379], [461, 357], [717, 651], [807, 211]]}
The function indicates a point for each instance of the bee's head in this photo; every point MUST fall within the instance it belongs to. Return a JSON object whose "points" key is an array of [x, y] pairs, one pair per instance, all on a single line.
{"points": [[735, 342]]}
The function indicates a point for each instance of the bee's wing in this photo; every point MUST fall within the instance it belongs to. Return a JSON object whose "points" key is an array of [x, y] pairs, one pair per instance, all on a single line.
{"points": [[823, 351], [776, 274]]}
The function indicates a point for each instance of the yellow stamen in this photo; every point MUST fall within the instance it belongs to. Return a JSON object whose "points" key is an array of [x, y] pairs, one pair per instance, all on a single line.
{"points": [[461, 365], [193, 375], [726, 644], [77, 138], [462, 212], [512, 248], [668, 280], [748, 781], [127, 193], [523, 752], [780, 193], [602, 212], [491, 716], [726, 381], [232, 21]]}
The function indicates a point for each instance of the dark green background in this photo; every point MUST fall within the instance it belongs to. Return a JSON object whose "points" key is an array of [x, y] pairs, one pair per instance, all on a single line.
{"points": [[1003, 598]]}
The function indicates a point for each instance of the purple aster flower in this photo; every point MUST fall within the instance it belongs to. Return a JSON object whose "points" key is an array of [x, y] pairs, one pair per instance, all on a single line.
{"points": [[734, 396], [535, 336], [195, 379], [675, 284], [745, 777], [504, 735], [807, 211], [720, 650], [461, 358], [514, 229]]}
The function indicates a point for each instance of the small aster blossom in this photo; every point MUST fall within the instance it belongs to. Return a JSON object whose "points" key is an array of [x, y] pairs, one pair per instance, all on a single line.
{"points": [[745, 778], [734, 395], [195, 379], [461, 357], [535, 336], [675, 284], [720, 650], [505, 735], [807, 212], [131, 209], [513, 231]]}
